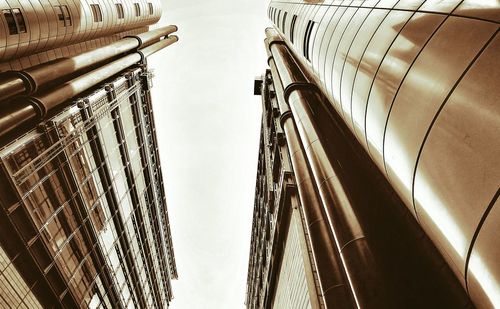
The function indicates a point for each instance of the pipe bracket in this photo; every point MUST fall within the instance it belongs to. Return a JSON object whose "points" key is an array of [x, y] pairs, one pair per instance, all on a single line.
{"points": [[298, 86], [135, 37], [284, 117], [28, 81], [40, 108]]}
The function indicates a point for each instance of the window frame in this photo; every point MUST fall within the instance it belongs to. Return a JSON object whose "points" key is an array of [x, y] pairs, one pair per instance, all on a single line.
{"points": [[63, 11], [137, 8], [151, 8], [96, 12], [15, 21], [120, 11]]}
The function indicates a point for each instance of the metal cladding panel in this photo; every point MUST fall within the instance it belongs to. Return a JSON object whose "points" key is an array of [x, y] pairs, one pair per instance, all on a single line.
{"points": [[340, 43], [487, 10], [343, 49], [44, 29], [353, 58], [390, 75], [484, 269], [292, 290], [444, 6], [418, 98], [457, 166], [372, 58], [321, 14], [417, 85]]}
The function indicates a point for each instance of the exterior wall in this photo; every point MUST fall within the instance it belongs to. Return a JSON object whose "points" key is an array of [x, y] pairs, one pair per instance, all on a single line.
{"points": [[14, 293], [292, 290], [416, 82], [85, 201], [279, 262], [44, 31]]}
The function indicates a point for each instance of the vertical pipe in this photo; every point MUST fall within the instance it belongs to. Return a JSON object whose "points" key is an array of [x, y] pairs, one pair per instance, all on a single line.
{"points": [[386, 263], [334, 287]]}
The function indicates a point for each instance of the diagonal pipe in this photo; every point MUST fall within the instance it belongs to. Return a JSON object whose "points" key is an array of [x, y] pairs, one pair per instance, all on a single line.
{"points": [[28, 81], [35, 107]]}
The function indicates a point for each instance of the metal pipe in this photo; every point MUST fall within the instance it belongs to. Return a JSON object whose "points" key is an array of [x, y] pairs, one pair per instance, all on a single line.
{"points": [[334, 287], [386, 263], [29, 80], [38, 105]]}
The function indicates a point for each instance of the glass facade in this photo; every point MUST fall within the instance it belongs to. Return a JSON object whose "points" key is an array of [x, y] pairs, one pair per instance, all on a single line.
{"points": [[280, 271], [83, 199]]}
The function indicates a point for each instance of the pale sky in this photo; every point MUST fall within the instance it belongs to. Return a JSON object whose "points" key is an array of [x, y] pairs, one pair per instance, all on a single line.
{"points": [[208, 125]]}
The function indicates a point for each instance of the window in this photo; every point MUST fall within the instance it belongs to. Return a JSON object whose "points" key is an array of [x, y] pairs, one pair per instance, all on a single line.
{"points": [[278, 19], [292, 27], [15, 21], [119, 10], [151, 10], [96, 12], [307, 38], [284, 20], [137, 9], [63, 15]]}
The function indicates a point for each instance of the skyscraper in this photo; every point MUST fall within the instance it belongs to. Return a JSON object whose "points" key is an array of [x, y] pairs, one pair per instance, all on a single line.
{"points": [[84, 220], [389, 110]]}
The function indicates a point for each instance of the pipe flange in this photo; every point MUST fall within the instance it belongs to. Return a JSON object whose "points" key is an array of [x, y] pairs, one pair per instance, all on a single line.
{"points": [[284, 117], [269, 60], [298, 86], [143, 57], [28, 81], [135, 37], [40, 108], [276, 41]]}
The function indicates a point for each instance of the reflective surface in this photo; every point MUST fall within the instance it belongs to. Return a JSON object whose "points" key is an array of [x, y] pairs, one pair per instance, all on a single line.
{"points": [[89, 185], [415, 85]]}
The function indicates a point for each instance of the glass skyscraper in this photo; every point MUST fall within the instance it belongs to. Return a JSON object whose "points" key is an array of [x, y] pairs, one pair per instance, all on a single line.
{"points": [[83, 213]]}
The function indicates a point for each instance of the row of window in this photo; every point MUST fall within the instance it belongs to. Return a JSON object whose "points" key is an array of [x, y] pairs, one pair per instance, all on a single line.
{"points": [[17, 24], [275, 16], [97, 13]]}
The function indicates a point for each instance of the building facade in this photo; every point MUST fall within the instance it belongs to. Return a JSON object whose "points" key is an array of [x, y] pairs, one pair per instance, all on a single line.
{"points": [[84, 220], [38, 31], [394, 108], [280, 269]]}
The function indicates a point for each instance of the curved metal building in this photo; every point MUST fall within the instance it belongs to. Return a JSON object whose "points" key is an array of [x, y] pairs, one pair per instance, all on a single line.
{"points": [[47, 30], [414, 85]]}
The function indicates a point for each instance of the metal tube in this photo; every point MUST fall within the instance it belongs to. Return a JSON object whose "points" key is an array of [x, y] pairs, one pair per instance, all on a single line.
{"points": [[40, 75], [41, 103], [334, 287], [386, 259]]}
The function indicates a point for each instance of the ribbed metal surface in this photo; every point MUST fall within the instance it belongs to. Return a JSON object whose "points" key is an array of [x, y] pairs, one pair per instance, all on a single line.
{"points": [[415, 81], [44, 30]]}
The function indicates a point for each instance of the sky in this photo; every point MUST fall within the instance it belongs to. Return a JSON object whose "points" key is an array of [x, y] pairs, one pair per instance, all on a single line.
{"points": [[208, 125]]}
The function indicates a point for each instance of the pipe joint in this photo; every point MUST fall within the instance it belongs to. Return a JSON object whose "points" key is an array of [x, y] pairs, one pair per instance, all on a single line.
{"points": [[28, 81], [269, 60], [298, 86], [284, 117], [38, 106], [143, 56], [135, 37]]}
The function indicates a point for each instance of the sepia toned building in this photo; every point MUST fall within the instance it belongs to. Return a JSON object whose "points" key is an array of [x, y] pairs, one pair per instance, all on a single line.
{"points": [[83, 213], [389, 110]]}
